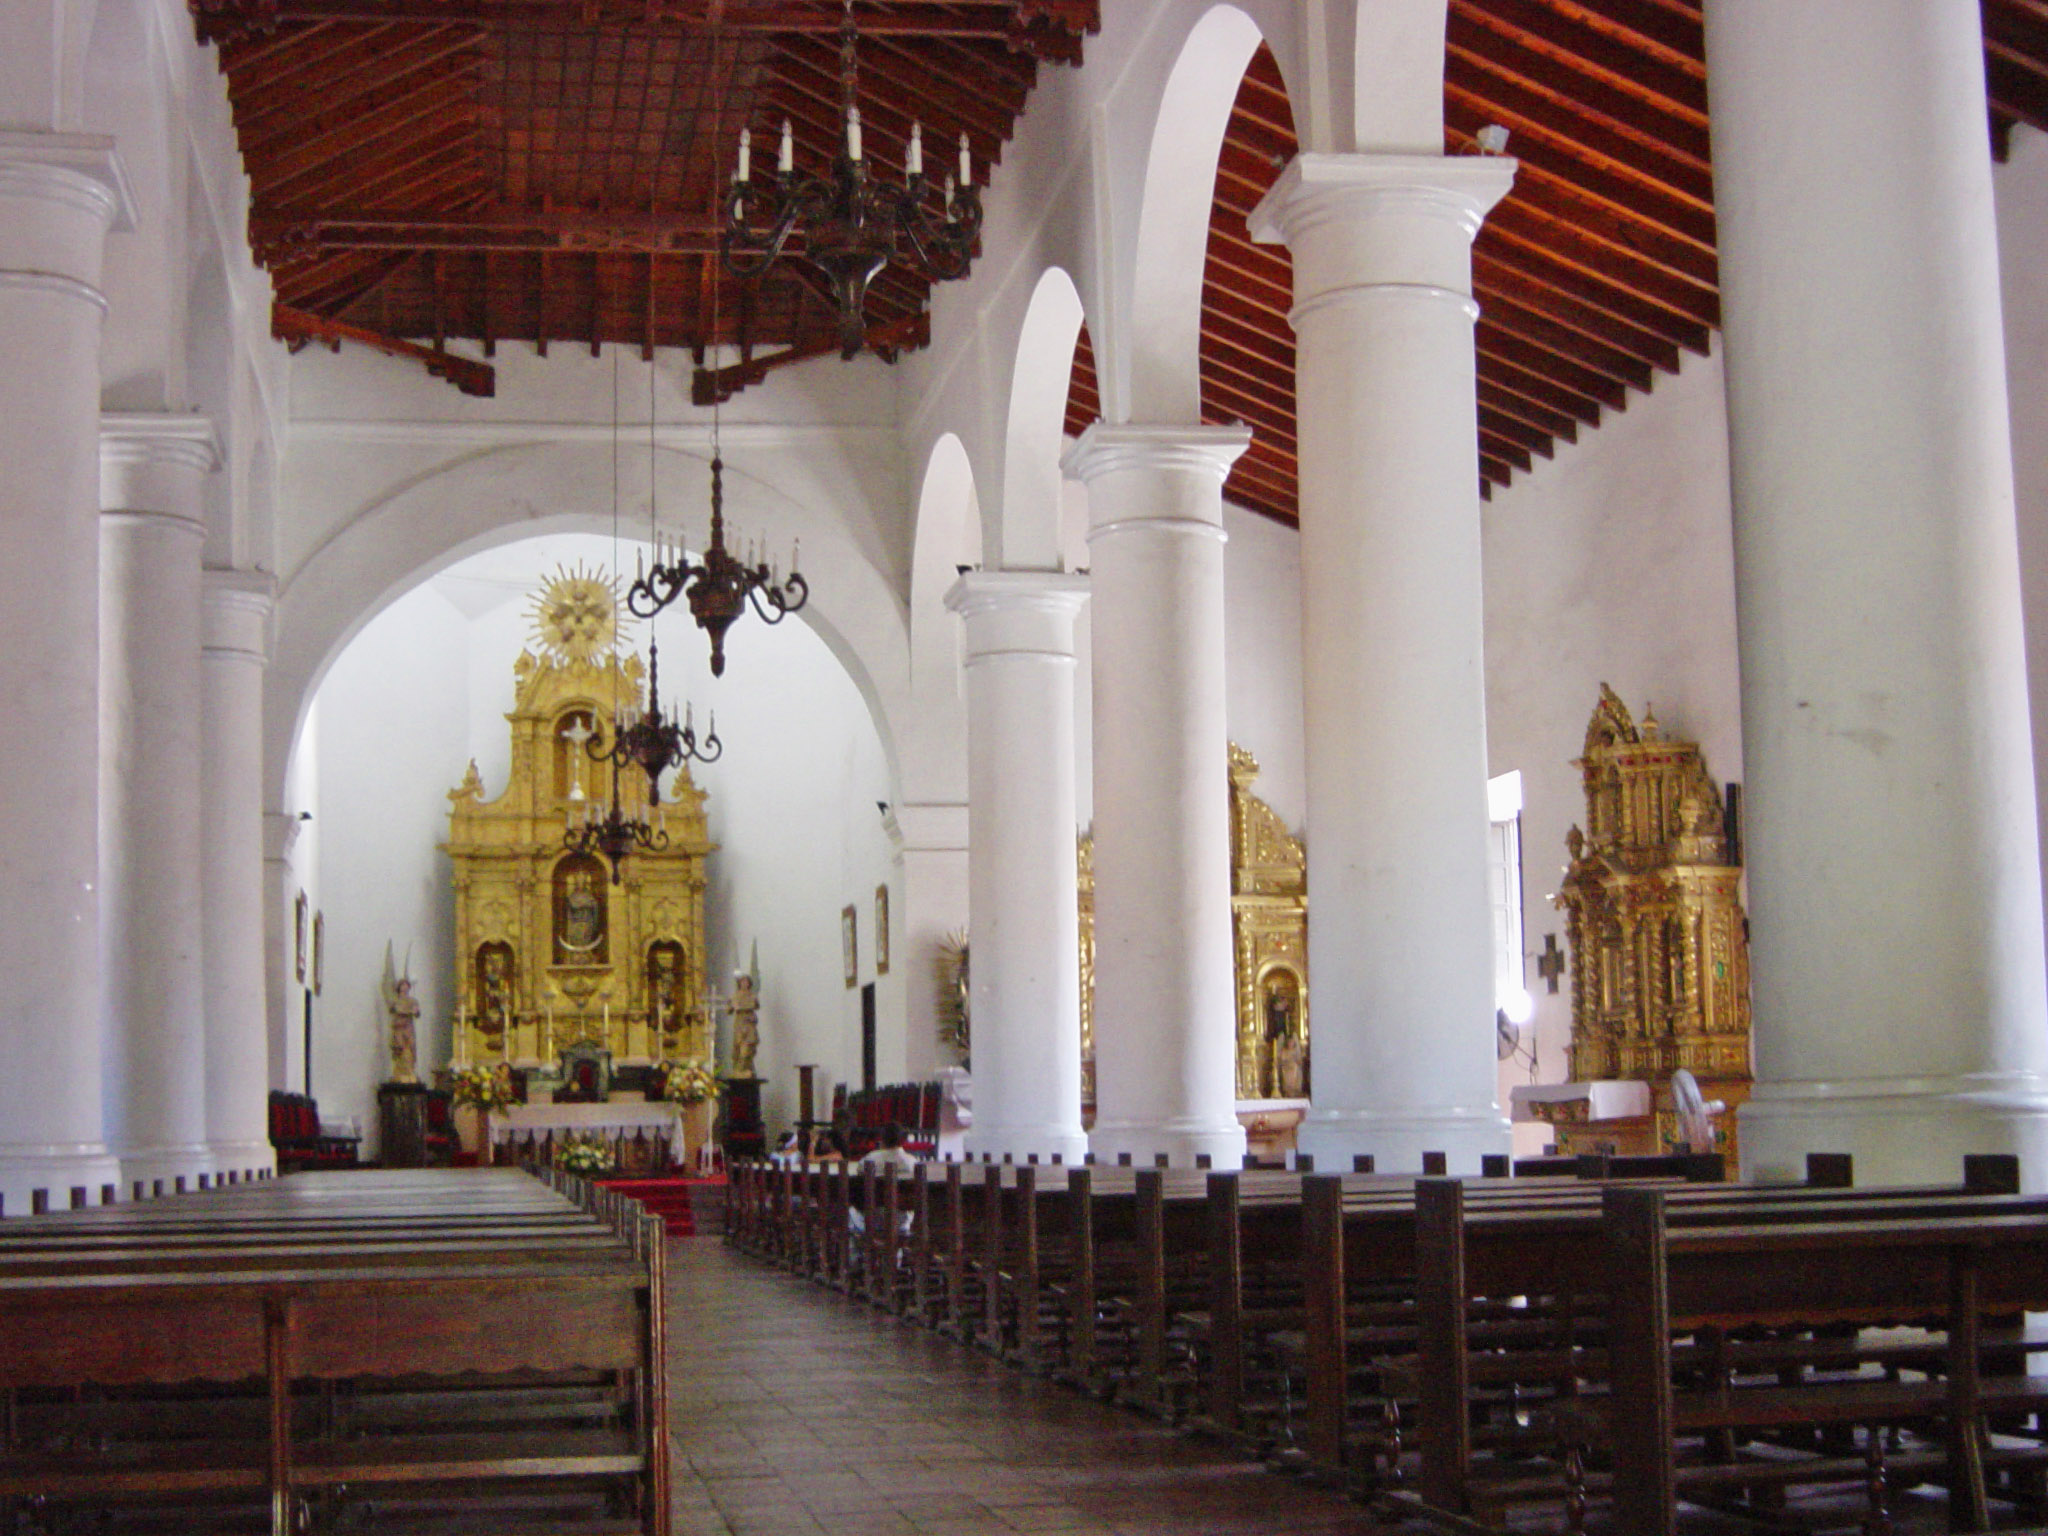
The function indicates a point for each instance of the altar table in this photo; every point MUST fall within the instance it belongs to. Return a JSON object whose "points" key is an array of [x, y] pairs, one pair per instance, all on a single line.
{"points": [[641, 1132]]}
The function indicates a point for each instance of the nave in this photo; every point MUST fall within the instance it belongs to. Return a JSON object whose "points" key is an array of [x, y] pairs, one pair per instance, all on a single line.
{"points": [[796, 1412]]}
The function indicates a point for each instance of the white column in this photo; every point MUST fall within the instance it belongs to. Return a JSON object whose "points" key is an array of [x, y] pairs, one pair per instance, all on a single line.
{"points": [[59, 195], [237, 647], [152, 469], [1890, 828], [1394, 703], [935, 897], [1165, 1009], [1024, 920]]}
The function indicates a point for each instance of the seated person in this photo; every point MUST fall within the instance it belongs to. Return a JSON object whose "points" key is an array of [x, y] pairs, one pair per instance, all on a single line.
{"points": [[890, 1154], [785, 1154]]}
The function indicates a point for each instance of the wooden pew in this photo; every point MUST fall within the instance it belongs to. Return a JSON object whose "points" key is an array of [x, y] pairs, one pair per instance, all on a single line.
{"points": [[272, 1286], [1953, 1262], [1553, 1254]]}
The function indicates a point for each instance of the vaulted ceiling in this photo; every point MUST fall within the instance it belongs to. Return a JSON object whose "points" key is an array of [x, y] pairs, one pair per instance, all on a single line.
{"points": [[550, 171]]}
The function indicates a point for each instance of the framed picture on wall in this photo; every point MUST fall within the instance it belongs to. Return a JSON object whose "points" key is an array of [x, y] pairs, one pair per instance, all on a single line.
{"points": [[300, 913], [319, 966], [849, 949], [881, 930]]}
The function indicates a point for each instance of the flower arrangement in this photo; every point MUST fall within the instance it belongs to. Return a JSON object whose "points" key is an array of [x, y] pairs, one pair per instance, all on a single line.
{"points": [[481, 1086], [585, 1159], [688, 1082]]}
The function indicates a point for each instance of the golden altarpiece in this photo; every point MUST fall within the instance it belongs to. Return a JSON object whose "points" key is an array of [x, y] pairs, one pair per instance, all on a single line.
{"points": [[552, 951], [1653, 915], [1269, 936]]}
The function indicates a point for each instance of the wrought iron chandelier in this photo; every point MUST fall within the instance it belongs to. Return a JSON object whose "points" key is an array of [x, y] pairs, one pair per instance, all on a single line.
{"points": [[654, 742], [645, 739], [852, 225], [620, 829], [720, 587]]}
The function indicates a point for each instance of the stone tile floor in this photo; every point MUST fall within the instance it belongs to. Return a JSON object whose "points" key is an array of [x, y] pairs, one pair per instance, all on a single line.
{"points": [[795, 1411]]}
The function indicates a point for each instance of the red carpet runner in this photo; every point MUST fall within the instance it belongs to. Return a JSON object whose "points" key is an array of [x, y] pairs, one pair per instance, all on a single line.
{"points": [[667, 1198]]}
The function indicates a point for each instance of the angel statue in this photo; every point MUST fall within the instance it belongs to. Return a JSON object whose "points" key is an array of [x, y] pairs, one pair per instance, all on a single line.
{"points": [[401, 1014]]}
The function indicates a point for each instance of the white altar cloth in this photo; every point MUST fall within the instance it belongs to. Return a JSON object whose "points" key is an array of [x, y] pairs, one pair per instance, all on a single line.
{"points": [[623, 1118]]}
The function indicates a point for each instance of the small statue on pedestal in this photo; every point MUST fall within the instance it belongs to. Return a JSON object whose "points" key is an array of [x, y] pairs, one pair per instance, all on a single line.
{"points": [[402, 1013], [746, 1024]]}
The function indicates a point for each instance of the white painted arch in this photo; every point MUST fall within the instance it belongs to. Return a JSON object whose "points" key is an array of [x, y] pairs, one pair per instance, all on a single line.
{"points": [[500, 495], [1039, 379]]}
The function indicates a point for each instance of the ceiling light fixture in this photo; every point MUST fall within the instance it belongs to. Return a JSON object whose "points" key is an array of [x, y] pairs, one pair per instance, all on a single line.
{"points": [[851, 225]]}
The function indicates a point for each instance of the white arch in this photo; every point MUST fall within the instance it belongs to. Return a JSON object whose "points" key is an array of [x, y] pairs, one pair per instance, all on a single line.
{"points": [[1039, 381], [502, 495], [934, 726], [1173, 221]]}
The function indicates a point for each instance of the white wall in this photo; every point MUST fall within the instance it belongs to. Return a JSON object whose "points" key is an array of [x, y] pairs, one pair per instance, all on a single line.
{"points": [[1611, 563], [424, 688]]}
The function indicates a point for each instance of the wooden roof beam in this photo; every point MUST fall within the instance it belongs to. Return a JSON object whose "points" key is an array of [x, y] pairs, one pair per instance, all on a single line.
{"points": [[466, 374], [1674, 31], [1497, 447], [1646, 118], [1497, 340], [321, 230], [1501, 370], [708, 386], [1576, 47], [1581, 351], [232, 21], [1497, 98], [1492, 279], [1514, 430], [1538, 418], [1587, 241], [1502, 252], [1678, 226]]}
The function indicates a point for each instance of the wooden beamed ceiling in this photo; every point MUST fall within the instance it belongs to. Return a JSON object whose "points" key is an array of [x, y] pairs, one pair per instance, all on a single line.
{"points": [[550, 171]]}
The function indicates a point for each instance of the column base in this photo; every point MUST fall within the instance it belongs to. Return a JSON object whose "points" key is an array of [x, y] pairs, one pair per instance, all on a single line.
{"points": [[148, 1166], [1396, 1142], [54, 1169], [244, 1159], [1181, 1140], [1068, 1142], [1902, 1130]]}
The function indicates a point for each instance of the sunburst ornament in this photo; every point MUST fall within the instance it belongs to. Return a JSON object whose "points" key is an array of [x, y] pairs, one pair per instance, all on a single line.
{"points": [[576, 617]]}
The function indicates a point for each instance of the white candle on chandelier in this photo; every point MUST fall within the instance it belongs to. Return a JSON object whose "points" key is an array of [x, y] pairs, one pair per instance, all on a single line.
{"points": [[746, 153], [966, 165], [853, 133], [786, 159], [913, 160]]}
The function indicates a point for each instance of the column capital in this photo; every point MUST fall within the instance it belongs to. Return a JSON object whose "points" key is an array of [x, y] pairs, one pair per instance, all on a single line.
{"points": [[238, 606], [1012, 613], [1108, 448], [77, 170], [1318, 189], [153, 465]]}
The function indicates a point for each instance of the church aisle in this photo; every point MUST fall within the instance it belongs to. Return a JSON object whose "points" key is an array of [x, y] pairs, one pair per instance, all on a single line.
{"points": [[796, 1412]]}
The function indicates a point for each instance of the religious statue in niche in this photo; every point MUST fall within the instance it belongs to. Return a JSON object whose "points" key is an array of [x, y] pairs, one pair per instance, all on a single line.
{"points": [[577, 958], [579, 912], [666, 1004], [1286, 1049], [746, 1024], [402, 1016], [494, 991]]}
